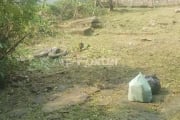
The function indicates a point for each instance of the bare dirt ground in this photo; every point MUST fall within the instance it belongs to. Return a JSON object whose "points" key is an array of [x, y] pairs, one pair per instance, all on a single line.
{"points": [[74, 87]]}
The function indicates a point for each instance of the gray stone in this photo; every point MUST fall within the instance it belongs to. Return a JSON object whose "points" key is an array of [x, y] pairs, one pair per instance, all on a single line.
{"points": [[88, 31], [96, 23]]}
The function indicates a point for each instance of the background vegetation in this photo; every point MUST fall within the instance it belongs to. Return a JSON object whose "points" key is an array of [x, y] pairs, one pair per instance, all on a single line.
{"points": [[72, 9], [15, 21], [29, 18]]}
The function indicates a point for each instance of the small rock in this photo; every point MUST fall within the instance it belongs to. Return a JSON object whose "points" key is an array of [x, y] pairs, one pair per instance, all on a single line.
{"points": [[88, 31], [174, 22], [145, 39], [96, 23]]}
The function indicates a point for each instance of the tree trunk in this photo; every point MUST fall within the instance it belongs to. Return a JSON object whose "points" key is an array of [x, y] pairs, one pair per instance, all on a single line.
{"points": [[111, 5], [98, 3]]}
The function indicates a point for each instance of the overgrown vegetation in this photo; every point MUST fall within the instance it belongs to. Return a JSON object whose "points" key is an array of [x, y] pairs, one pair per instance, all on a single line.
{"points": [[15, 21], [23, 18], [73, 9]]}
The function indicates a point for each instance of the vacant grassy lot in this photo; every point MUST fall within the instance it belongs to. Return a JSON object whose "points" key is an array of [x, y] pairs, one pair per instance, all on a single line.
{"points": [[135, 39]]}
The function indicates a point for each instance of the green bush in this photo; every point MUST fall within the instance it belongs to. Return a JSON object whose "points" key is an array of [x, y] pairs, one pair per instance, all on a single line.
{"points": [[15, 20], [43, 23], [8, 67]]}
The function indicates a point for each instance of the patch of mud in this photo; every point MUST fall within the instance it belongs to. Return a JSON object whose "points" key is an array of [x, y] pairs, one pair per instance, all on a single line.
{"points": [[73, 96]]}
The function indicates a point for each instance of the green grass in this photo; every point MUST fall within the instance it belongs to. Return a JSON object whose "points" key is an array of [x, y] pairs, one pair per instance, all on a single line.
{"points": [[121, 39]]}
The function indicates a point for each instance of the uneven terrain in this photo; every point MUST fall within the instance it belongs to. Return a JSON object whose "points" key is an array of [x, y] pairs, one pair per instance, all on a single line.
{"points": [[92, 84]]}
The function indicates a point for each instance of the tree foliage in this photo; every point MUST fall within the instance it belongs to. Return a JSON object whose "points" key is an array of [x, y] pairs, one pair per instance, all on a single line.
{"points": [[19, 18], [15, 20]]}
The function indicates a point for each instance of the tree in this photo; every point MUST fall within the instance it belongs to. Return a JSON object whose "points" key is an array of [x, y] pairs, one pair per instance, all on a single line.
{"points": [[110, 4], [16, 16]]}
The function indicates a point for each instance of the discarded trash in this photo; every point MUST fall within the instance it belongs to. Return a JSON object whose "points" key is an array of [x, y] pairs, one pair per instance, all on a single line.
{"points": [[139, 89], [177, 10], [53, 52], [154, 83]]}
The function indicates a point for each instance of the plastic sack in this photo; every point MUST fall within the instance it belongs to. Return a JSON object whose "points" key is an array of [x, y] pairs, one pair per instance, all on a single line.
{"points": [[154, 83], [139, 89]]}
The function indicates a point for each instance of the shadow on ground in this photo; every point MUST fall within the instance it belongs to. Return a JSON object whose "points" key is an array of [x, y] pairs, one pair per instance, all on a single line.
{"points": [[78, 93]]}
